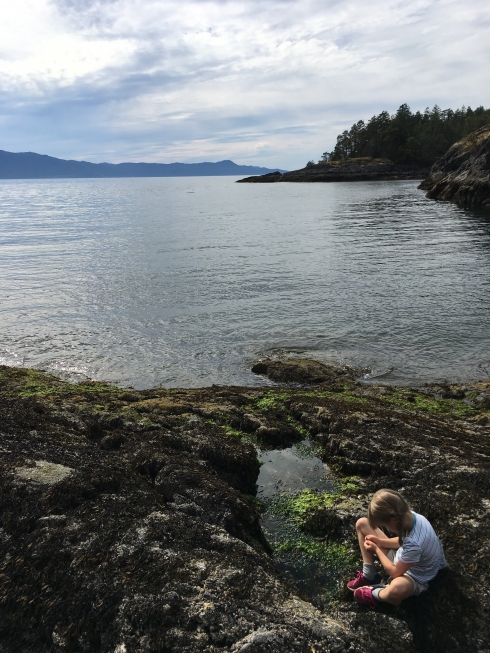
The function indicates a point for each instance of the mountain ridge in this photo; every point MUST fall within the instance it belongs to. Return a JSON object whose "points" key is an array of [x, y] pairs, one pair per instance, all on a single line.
{"points": [[31, 165]]}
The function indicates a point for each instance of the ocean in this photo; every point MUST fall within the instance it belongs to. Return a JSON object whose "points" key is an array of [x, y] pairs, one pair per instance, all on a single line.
{"points": [[184, 282]]}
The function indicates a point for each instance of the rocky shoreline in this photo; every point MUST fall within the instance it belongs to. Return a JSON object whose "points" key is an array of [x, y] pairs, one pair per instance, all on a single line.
{"points": [[360, 169], [462, 175], [129, 522]]}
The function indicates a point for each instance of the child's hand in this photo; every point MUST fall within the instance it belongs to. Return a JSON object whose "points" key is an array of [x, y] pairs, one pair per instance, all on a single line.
{"points": [[373, 539], [369, 545]]}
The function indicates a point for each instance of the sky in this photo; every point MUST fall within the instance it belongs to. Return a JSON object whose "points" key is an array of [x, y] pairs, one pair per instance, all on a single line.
{"points": [[261, 82]]}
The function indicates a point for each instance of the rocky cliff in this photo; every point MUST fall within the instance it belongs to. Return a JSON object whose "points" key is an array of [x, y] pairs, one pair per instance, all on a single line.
{"points": [[361, 169], [128, 523], [462, 175]]}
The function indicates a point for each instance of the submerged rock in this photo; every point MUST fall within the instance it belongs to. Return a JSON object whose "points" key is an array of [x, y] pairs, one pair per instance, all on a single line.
{"points": [[462, 175], [300, 370]]}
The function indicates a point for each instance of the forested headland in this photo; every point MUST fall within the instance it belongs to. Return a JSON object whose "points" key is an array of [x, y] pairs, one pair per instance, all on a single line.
{"points": [[406, 137]]}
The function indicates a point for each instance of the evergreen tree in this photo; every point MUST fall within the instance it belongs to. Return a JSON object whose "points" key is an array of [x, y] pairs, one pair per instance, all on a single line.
{"points": [[406, 137]]}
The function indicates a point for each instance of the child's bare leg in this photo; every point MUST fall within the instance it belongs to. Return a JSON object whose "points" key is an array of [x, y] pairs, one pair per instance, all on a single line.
{"points": [[368, 575], [363, 528], [400, 588]]}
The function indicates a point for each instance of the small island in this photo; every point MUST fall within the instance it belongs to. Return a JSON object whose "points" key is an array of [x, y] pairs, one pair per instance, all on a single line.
{"points": [[356, 169], [409, 145]]}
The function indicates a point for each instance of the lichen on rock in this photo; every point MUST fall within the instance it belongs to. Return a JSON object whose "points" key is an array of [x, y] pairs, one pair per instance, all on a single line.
{"points": [[44, 472]]}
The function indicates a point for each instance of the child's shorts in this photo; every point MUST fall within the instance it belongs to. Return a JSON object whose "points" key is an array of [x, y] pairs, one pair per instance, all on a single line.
{"points": [[418, 588]]}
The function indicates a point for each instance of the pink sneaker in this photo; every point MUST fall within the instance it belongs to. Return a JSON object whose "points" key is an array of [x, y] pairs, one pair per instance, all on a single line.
{"points": [[365, 595], [361, 581]]}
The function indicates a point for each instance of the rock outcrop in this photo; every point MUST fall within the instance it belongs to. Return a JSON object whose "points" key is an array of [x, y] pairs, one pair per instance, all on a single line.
{"points": [[462, 175], [361, 169], [128, 523], [302, 370]]}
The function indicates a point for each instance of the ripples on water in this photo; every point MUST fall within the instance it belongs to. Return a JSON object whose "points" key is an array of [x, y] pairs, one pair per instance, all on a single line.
{"points": [[184, 281]]}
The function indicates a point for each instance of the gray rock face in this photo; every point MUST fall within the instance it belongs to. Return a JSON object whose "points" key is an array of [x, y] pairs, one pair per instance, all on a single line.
{"points": [[44, 472], [462, 175]]}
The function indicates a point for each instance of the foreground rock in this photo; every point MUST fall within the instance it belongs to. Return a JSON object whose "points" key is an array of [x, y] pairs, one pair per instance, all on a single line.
{"points": [[462, 175], [128, 522], [361, 169]]}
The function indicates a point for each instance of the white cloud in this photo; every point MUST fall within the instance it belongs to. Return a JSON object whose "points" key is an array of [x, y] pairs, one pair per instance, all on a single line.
{"points": [[270, 81]]}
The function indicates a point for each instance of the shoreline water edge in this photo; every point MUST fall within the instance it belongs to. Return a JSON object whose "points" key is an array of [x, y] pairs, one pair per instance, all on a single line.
{"points": [[461, 176], [130, 522]]}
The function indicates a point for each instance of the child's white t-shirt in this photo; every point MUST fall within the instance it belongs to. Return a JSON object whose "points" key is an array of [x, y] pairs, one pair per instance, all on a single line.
{"points": [[423, 549]]}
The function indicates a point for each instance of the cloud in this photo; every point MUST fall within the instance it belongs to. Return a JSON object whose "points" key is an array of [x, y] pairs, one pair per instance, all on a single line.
{"points": [[271, 82]]}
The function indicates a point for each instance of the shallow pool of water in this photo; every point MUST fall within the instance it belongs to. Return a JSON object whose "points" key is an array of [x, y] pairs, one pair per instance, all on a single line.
{"points": [[291, 470], [300, 557]]}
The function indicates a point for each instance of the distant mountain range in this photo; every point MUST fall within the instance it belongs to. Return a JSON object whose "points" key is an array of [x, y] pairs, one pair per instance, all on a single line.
{"points": [[29, 165]]}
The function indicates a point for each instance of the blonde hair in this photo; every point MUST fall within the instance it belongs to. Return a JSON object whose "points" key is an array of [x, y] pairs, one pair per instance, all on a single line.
{"points": [[385, 505]]}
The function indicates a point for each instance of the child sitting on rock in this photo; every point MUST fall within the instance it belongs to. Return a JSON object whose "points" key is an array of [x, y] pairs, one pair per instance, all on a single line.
{"points": [[412, 558]]}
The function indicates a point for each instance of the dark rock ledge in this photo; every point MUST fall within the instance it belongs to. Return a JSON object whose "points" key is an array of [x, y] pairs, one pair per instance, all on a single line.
{"points": [[127, 523], [361, 169], [462, 175]]}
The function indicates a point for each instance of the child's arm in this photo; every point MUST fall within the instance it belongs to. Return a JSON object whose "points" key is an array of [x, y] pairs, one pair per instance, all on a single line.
{"points": [[393, 570]]}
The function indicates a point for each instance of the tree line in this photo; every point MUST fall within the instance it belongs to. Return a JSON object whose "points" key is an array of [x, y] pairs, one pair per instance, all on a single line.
{"points": [[406, 137]]}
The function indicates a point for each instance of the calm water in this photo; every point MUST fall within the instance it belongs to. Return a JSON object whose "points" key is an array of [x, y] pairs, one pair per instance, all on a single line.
{"points": [[286, 473], [185, 281], [291, 471]]}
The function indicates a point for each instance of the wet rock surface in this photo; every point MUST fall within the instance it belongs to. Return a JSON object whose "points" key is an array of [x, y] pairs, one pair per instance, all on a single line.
{"points": [[462, 175], [303, 371], [360, 169], [147, 536]]}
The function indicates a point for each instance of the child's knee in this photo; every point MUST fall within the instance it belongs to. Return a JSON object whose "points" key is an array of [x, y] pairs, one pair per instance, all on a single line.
{"points": [[362, 523], [390, 595]]}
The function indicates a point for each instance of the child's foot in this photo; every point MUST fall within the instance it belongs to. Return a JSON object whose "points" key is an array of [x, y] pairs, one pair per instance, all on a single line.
{"points": [[365, 596], [361, 581]]}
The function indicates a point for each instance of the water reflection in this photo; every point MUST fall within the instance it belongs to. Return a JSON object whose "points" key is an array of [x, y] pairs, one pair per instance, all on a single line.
{"points": [[291, 470]]}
